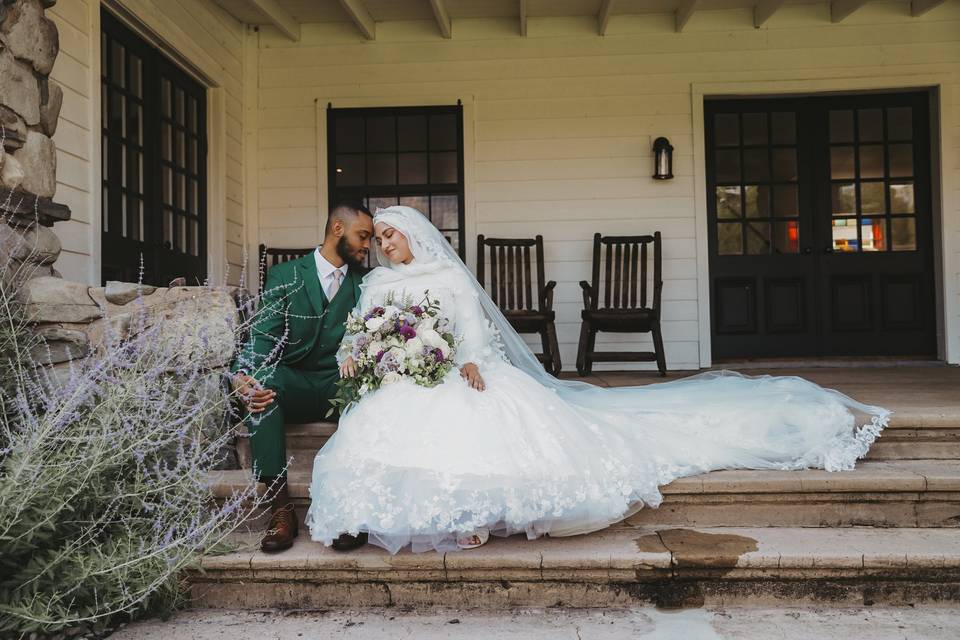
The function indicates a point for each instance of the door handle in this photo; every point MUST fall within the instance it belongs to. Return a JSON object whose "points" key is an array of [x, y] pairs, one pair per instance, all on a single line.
{"points": [[807, 250], [828, 250]]}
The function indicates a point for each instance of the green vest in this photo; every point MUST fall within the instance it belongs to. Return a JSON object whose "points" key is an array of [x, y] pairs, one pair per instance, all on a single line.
{"points": [[324, 352], [294, 309]]}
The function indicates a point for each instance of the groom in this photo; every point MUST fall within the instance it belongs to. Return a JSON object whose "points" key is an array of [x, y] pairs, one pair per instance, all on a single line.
{"points": [[287, 372]]}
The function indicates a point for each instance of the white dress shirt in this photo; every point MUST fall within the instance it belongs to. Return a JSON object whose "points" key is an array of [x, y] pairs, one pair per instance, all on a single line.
{"points": [[325, 272]]}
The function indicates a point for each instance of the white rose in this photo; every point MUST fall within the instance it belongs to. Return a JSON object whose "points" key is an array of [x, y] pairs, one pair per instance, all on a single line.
{"points": [[390, 311], [374, 323], [430, 337], [374, 348], [390, 377], [413, 346], [398, 353]]}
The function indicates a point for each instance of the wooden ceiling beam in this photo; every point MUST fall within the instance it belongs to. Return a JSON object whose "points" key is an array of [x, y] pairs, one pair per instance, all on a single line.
{"points": [[361, 17], [684, 11], [443, 18], [920, 7], [279, 17], [603, 17], [764, 10], [840, 9]]}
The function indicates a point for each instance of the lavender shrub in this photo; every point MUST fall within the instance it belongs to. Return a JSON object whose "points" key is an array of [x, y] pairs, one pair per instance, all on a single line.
{"points": [[105, 497]]}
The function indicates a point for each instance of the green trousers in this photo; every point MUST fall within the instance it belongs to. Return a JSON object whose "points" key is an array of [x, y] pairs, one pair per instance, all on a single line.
{"points": [[301, 396]]}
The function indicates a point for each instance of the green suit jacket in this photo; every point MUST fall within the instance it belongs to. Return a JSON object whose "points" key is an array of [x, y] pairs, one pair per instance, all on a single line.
{"points": [[287, 326]]}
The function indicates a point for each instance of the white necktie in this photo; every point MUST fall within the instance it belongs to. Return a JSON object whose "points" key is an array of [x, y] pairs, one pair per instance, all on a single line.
{"points": [[335, 285]]}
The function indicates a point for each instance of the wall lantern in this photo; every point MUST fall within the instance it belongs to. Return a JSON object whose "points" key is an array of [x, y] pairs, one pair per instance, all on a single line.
{"points": [[663, 159]]}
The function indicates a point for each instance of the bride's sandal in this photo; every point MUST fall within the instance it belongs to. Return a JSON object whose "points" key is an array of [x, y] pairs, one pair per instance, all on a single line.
{"points": [[478, 539]]}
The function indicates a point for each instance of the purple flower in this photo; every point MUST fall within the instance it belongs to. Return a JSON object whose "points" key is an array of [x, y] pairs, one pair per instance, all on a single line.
{"points": [[438, 355], [408, 332], [380, 355], [378, 311], [416, 310]]}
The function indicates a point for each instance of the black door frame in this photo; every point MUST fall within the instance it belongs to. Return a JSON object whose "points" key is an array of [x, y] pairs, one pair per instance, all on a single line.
{"points": [[814, 195]]}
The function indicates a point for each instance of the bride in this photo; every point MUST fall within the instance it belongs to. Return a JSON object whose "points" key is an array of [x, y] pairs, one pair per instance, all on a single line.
{"points": [[502, 447]]}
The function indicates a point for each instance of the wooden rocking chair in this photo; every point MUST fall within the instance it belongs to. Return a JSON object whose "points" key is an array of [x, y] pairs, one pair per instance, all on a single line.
{"points": [[512, 290], [272, 256], [621, 311]]}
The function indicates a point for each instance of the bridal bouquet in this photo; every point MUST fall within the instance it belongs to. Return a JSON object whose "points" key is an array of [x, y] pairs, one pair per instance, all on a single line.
{"points": [[394, 342]]}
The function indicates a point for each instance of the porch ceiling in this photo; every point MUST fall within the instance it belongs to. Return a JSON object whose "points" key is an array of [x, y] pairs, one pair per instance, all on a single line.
{"points": [[363, 15]]}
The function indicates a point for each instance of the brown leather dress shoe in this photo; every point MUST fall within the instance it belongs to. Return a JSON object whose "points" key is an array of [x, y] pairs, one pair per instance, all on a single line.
{"points": [[283, 528], [347, 542]]}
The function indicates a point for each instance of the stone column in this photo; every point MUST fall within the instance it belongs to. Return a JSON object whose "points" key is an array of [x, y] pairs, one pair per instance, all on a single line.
{"points": [[29, 109]]}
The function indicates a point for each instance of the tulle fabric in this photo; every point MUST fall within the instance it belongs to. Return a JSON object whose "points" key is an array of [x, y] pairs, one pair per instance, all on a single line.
{"points": [[416, 467]]}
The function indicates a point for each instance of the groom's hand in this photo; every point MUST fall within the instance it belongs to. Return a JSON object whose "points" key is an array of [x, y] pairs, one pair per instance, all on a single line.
{"points": [[471, 373], [253, 394]]}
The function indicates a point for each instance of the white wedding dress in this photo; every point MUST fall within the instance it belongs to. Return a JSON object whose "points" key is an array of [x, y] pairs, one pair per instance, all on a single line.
{"points": [[420, 467]]}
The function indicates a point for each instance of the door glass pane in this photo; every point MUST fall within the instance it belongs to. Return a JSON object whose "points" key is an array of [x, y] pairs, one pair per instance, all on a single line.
{"points": [[841, 163], [870, 125], [755, 128], [871, 161], [786, 237], [756, 165], [726, 129], [900, 123], [412, 133], [845, 234], [728, 202], [381, 133], [413, 168], [758, 238], [904, 232], [785, 204], [784, 128], [443, 167], [443, 132], [166, 138], [728, 165], [381, 203], [179, 106], [729, 239], [381, 168], [785, 164], [420, 203], [136, 76], [165, 100], [841, 126], [117, 64], [445, 211], [872, 198], [901, 198], [757, 201], [872, 234], [349, 134], [350, 170], [844, 198], [901, 160], [167, 228]]}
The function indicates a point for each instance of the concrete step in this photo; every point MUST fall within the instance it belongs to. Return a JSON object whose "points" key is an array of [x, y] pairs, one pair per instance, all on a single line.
{"points": [[911, 435], [622, 566], [901, 493]]}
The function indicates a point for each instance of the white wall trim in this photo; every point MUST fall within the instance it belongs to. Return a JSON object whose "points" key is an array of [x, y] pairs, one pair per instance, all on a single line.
{"points": [[946, 218], [251, 145], [470, 221]]}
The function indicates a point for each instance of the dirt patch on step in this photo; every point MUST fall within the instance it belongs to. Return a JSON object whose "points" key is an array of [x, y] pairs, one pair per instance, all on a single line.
{"points": [[691, 548]]}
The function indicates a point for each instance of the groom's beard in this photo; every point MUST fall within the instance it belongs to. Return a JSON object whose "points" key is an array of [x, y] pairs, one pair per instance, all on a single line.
{"points": [[354, 258]]}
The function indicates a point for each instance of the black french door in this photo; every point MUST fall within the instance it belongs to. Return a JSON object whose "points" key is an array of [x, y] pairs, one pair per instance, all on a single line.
{"points": [[154, 174], [820, 217]]}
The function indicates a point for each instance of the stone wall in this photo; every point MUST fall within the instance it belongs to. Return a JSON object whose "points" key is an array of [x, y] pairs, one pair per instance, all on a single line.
{"points": [[29, 109]]}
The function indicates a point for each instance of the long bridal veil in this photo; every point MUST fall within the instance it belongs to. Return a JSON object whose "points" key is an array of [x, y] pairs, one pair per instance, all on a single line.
{"points": [[712, 420]]}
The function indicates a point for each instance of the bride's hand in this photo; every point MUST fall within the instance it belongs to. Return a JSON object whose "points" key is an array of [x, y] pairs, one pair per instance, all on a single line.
{"points": [[471, 374], [349, 368]]}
